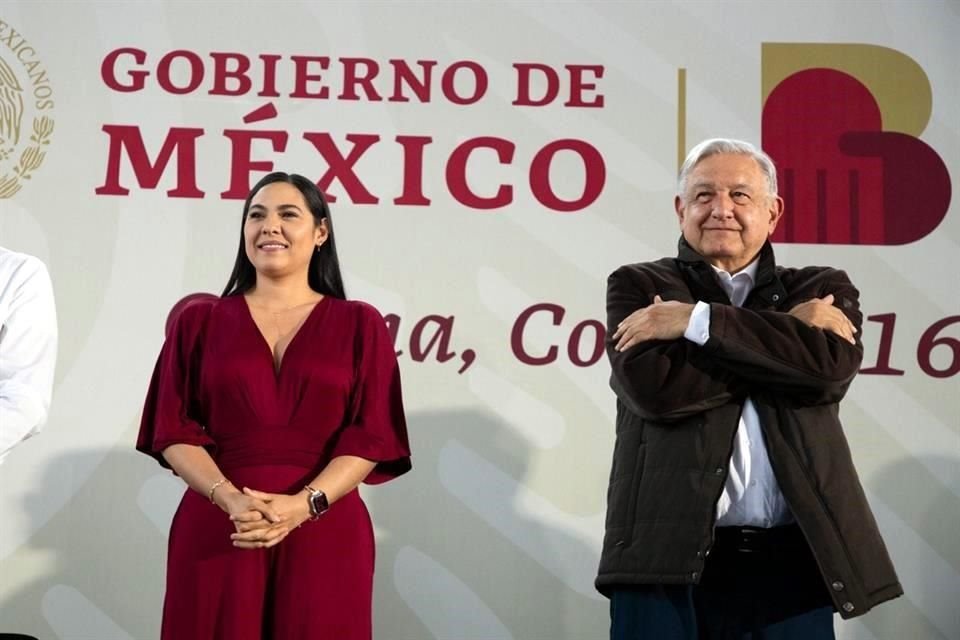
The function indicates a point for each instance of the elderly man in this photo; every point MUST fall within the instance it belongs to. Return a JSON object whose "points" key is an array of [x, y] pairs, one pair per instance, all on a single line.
{"points": [[734, 510], [28, 347]]}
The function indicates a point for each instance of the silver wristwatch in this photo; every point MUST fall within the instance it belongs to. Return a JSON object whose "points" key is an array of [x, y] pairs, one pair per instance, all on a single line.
{"points": [[318, 502]]}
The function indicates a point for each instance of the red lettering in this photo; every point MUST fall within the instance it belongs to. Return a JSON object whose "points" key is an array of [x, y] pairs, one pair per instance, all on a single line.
{"points": [[269, 75], [241, 163], [196, 72], [516, 334], [578, 85], [595, 175], [524, 78], [341, 168], [440, 338], [352, 78], [232, 73], [148, 174], [468, 356], [929, 341], [449, 85], [888, 321], [573, 344], [393, 328], [403, 74], [457, 173], [108, 70], [413, 170], [302, 75], [222, 73]]}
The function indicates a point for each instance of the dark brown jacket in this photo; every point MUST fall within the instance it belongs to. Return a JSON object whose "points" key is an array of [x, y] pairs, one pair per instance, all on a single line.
{"points": [[678, 407]]}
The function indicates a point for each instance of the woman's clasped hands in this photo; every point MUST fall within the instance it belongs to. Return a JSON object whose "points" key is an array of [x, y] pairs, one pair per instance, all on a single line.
{"points": [[262, 520]]}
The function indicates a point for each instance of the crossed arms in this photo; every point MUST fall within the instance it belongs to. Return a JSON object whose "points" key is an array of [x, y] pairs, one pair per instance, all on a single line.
{"points": [[809, 353]]}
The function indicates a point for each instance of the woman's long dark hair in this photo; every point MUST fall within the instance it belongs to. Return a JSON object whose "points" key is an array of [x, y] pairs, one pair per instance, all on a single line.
{"points": [[324, 271]]}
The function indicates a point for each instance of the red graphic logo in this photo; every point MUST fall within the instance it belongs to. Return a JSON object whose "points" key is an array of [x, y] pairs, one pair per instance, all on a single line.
{"points": [[842, 122]]}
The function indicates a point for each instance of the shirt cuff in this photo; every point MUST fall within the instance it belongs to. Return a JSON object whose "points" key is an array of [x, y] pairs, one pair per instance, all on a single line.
{"points": [[698, 327]]}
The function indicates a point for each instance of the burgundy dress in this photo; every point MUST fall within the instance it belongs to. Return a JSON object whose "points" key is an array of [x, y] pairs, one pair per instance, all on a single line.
{"points": [[337, 392]]}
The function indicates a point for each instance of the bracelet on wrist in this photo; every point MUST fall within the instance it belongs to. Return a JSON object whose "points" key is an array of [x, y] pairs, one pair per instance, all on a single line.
{"points": [[216, 485]]}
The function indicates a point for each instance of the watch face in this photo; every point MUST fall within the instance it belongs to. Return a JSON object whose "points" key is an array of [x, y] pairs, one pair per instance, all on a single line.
{"points": [[318, 503]]}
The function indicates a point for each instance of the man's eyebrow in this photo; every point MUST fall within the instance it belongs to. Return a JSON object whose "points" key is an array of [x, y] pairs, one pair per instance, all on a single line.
{"points": [[740, 186]]}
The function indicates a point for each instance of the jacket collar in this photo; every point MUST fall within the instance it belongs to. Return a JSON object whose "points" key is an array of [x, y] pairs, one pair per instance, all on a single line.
{"points": [[768, 291]]}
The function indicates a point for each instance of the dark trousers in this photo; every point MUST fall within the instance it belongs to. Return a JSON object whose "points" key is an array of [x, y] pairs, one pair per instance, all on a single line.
{"points": [[758, 584]]}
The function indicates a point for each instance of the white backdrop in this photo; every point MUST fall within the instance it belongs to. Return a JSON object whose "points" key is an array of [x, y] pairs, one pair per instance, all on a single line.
{"points": [[496, 533]]}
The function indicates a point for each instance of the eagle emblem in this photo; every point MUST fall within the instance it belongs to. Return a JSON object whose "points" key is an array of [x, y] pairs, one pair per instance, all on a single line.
{"points": [[26, 125], [11, 108]]}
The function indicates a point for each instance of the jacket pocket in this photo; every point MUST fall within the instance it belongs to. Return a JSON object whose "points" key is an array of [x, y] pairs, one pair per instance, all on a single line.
{"points": [[633, 495]]}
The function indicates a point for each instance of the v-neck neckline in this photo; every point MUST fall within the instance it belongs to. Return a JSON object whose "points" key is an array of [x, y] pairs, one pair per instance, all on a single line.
{"points": [[277, 367]]}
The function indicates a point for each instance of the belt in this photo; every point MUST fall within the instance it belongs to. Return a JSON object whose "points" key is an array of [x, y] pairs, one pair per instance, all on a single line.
{"points": [[758, 539]]}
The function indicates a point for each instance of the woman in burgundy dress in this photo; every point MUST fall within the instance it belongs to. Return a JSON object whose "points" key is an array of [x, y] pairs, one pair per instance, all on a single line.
{"points": [[273, 402]]}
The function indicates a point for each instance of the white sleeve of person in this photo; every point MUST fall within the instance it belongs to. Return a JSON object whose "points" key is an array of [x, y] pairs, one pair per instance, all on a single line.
{"points": [[28, 348]]}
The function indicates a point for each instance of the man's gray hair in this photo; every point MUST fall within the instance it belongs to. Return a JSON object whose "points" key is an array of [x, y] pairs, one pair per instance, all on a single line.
{"points": [[714, 146]]}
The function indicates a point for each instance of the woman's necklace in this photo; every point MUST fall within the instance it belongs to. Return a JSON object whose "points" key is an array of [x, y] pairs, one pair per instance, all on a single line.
{"points": [[277, 314]]}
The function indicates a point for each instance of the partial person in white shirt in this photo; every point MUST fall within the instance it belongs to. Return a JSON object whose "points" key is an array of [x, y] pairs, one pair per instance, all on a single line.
{"points": [[28, 347]]}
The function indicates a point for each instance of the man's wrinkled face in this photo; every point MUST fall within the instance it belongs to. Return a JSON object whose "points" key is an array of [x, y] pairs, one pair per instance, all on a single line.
{"points": [[726, 210]]}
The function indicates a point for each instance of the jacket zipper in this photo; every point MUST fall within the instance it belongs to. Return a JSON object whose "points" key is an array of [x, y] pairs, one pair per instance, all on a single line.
{"points": [[716, 499]]}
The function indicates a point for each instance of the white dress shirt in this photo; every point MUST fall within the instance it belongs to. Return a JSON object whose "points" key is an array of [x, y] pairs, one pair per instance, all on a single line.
{"points": [[751, 495], [28, 347]]}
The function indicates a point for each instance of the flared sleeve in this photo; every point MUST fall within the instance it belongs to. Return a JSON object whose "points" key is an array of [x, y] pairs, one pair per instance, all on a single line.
{"points": [[171, 411], [376, 427]]}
